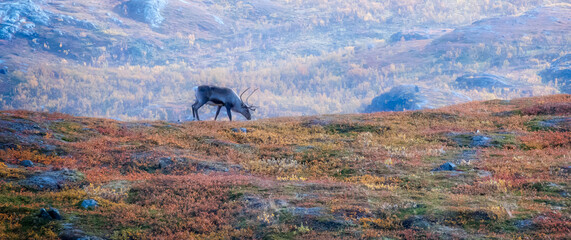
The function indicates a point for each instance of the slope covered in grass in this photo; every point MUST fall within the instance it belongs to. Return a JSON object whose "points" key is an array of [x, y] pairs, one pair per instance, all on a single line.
{"points": [[332, 176]]}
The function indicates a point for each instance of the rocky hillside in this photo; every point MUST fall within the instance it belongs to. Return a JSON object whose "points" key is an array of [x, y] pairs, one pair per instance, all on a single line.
{"points": [[138, 59], [484, 170]]}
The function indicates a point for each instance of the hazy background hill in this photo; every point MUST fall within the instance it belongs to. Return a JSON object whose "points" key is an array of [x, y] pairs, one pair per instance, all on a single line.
{"points": [[138, 59]]}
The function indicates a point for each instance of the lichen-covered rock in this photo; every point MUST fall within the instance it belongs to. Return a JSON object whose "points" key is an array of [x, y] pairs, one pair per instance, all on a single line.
{"points": [[413, 97], [481, 81], [480, 141], [562, 124], [472, 140], [76, 234], [165, 162], [525, 224], [27, 163], [89, 204], [243, 130], [24, 16], [148, 11], [20, 17], [44, 214], [399, 98], [52, 214], [448, 166], [53, 180], [303, 211], [409, 36], [419, 222]]}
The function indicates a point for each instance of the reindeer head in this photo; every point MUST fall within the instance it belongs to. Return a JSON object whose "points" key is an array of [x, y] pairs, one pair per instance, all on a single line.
{"points": [[246, 107]]}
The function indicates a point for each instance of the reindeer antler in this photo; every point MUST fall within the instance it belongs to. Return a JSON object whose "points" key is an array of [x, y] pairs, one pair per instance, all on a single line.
{"points": [[251, 107], [251, 94], [243, 94]]}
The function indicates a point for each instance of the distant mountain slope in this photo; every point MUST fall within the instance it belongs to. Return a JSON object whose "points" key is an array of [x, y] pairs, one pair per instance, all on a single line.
{"points": [[138, 59]]}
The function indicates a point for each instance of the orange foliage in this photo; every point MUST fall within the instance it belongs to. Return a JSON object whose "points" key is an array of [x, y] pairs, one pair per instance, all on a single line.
{"points": [[14, 156]]}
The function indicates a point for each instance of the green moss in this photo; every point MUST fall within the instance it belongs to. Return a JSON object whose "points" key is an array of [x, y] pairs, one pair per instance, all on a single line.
{"points": [[434, 116], [420, 209], [33, 226], [69, 131], [468, 218], [547, 123], [502, 140], [463, 140], [345, 173], [548, 187], [128, 233], [93, 222], [14, 199], [279, 235], [233, 196], [15, 209]]}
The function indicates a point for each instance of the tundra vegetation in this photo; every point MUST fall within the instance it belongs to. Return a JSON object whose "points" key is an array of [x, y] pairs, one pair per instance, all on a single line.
{"points": [[492, 169]]}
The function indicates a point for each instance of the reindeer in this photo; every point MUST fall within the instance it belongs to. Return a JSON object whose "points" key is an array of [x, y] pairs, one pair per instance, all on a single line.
{"points": [[221, 96]]}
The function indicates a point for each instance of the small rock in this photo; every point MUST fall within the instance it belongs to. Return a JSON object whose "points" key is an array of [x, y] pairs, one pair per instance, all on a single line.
{"points": [[480, 141], [44, 214], [89, 203], [416, 222], [27, 163], [72, 234], [54, 213], [448, 166], [53, 180], [208, 167], [76, 234], [524, 224], [165, 162], [471, 140], [244, 130], [302, 211], [280, 203], [561, 124], [481, 215], [254, 202], [3, 71], [328, 224]]}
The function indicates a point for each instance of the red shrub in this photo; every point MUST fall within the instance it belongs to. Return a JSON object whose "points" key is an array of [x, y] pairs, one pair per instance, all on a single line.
{"points": [[554, 108]]}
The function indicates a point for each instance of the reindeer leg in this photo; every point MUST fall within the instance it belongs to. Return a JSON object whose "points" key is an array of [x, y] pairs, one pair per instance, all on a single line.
{"points": [[193, 111], [228, 107], [217, 112], [195, 108]]}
